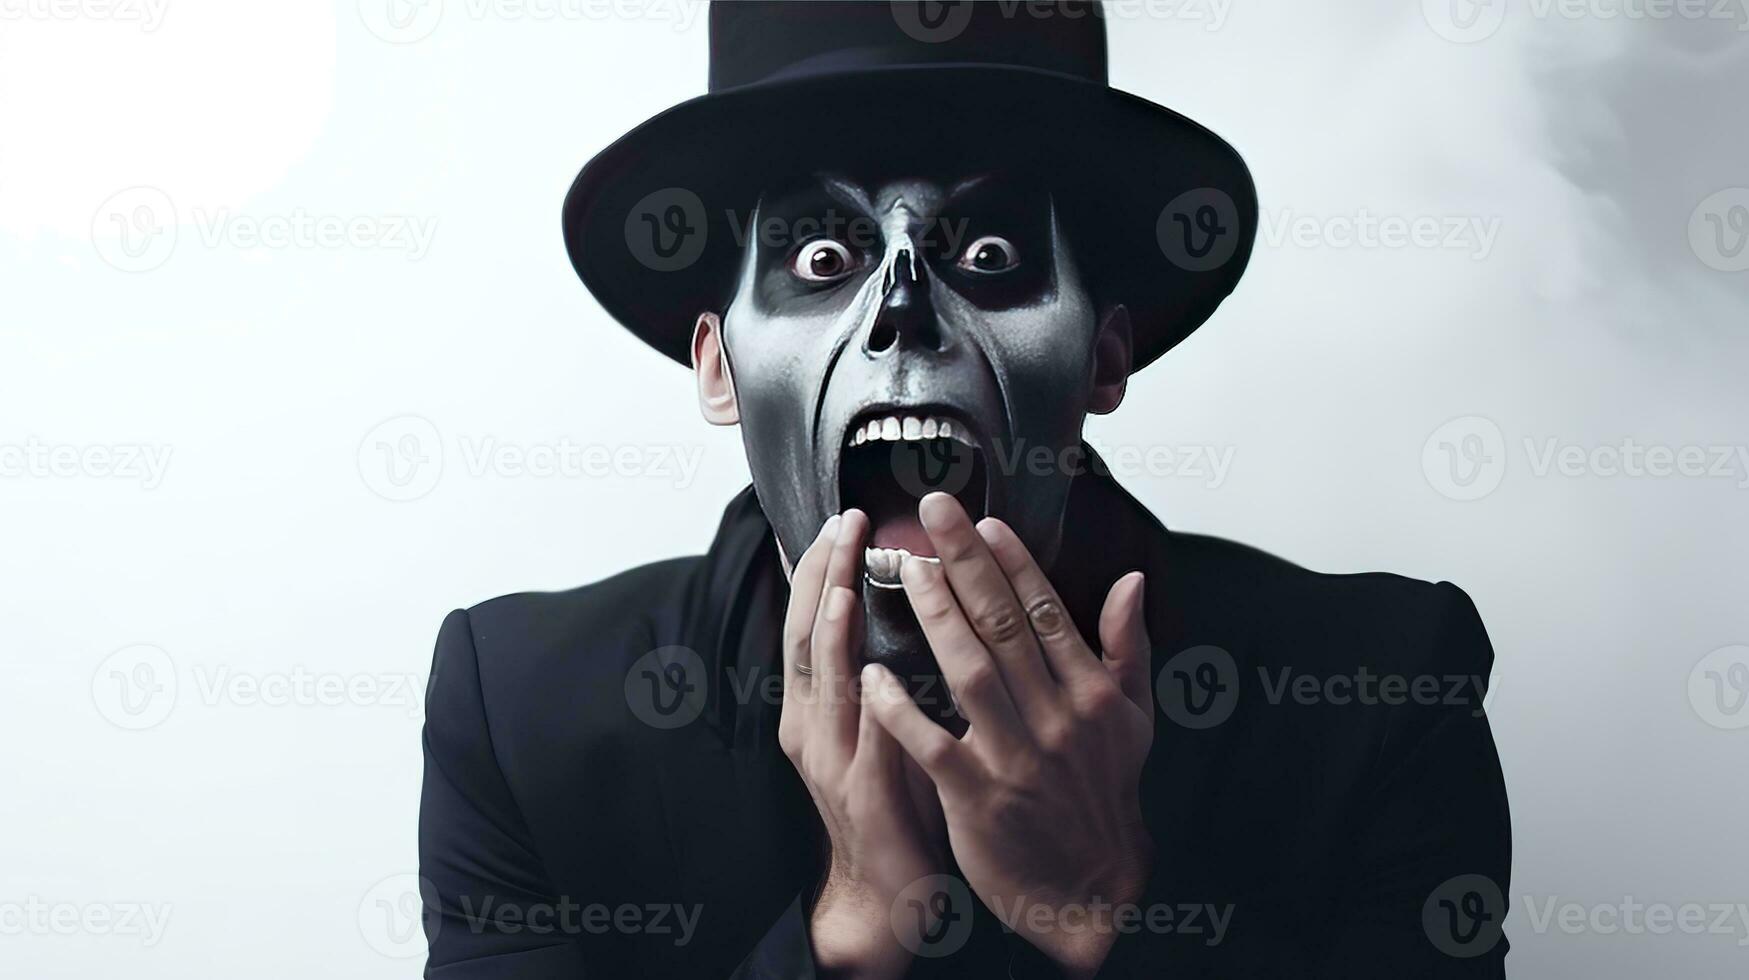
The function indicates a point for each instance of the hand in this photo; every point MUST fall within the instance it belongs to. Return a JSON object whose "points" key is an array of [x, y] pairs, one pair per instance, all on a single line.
{"points": [[874, 811], [1041, 795]]}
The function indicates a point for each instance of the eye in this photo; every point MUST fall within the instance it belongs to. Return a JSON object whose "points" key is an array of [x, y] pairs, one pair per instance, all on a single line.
{"points": [[822, 260], [990, 254]]}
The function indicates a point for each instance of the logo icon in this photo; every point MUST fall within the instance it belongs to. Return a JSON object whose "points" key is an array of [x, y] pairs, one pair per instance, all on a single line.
{"points": [[1199, 687], [1464, 916], [1464, 21], [930, 465], [1718, 230], [401, 459], [135, 687], [932, 21], [135, 229], [1465, 459], [401, 21], [666, 688], [932, 916], [1718, 688], [391, 915], [1199, 230], [666, 230]]}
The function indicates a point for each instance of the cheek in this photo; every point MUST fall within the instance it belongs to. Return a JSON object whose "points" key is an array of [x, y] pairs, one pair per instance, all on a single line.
{"points": [[1045, 356], [772, 359], [786, 355]]}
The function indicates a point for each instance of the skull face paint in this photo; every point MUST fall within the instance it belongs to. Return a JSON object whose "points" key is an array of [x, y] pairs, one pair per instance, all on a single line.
{"points": [[893, 339]]}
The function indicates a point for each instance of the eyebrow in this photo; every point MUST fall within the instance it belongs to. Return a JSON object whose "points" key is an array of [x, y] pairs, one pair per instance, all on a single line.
{"points": [[846, 191], [851, 194], [969, 184]]}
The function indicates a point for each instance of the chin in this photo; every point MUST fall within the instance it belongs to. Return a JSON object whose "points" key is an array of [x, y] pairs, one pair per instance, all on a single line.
{"points": [[894, 639]]}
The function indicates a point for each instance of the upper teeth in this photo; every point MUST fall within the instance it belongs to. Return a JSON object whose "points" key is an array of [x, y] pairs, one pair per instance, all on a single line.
{"points": [[894, 428]]}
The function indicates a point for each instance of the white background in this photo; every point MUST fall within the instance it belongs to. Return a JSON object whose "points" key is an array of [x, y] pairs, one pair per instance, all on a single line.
{"points": [[277, 829]]}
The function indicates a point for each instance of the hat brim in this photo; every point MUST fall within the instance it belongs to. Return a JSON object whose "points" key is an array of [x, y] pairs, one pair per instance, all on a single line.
{"points": [[654, 223]]}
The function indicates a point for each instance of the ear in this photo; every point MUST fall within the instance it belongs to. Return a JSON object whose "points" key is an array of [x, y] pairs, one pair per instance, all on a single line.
{"points": [[1111, 361], [710, 367]]}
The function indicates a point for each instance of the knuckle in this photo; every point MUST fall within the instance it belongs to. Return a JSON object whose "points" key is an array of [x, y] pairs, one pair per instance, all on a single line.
{"points": [[1047, 617], [1055, 737], [957, 547], [935, 752], [1099, 698], [999, 624], [932, 604], [977, 683]]}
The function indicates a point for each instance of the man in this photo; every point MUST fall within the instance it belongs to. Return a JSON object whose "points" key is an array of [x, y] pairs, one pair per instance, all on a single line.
{"points": [[942, 699]]}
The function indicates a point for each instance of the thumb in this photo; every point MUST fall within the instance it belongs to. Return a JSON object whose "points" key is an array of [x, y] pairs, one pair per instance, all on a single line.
{"points": [[1123, 634]]}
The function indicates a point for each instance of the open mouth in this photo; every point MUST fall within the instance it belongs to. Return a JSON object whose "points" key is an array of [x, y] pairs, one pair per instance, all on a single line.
{"points": [[891, 460]]}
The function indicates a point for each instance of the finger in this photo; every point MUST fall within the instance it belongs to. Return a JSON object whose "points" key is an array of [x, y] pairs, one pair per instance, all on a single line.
{"points": [[989, 602], [925, 801], [834, 633], [941, 756], [1065, 651], [971, 674], [875, 749], [804, 598], [1123, 633]]}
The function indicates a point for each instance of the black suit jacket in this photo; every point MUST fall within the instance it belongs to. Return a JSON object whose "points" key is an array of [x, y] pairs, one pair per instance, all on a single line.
{"points": [[605, 797]]}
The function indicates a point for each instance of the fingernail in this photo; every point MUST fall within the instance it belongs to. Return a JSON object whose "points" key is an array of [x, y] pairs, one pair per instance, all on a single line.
{"points": [[874, 680], [932, 510]]}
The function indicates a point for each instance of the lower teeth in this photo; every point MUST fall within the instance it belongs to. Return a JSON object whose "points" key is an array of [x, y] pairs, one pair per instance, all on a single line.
{"points": [[883, 563]]}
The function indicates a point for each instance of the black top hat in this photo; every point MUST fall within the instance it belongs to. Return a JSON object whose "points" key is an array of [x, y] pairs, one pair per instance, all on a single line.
{"points": [[1161, 212]]}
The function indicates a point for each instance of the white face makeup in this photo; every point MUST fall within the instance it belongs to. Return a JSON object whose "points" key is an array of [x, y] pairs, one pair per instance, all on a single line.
{"points": [[911, 336]]}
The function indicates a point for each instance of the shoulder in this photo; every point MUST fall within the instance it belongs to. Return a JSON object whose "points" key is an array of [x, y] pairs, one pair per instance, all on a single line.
{"points": [[1345, 619], [538, 666], [633, 606]]}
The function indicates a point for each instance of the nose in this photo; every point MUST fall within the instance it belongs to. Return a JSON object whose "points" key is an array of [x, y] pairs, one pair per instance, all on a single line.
{"points": [[907, 317]]}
